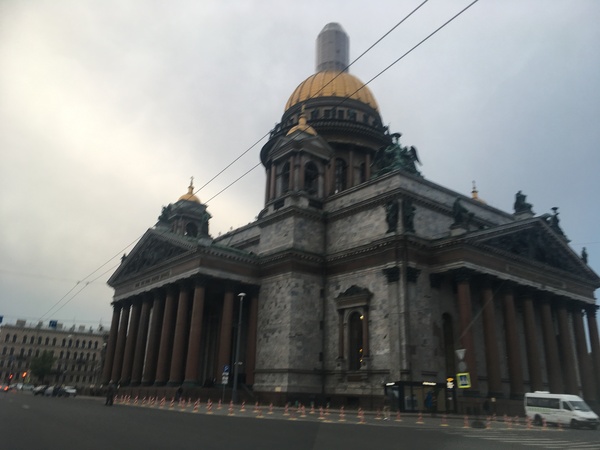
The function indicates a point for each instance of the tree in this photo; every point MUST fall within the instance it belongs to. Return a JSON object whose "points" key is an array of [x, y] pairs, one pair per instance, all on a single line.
{"points": [[41, 366]]}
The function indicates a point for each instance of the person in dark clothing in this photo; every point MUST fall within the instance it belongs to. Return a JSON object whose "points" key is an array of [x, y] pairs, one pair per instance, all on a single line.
{"points": [[178, 394], [110, 394]]}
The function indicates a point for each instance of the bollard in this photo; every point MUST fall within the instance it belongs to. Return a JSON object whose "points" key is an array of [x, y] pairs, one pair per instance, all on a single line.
{"points": [[444, 420], [420, 420], [342, 415]]}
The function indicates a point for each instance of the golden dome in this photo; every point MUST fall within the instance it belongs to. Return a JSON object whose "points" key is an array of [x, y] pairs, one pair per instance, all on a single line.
{"points": [[189, 196], [332, 84]]}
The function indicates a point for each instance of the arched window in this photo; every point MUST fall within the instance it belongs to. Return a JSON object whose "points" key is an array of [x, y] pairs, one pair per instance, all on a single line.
{"points": [[77, 343], [31, 340], [47, 341], [96, 344], [340, 175], [191, 230], [353, 332], [89, 344], [355, 350], [25, 339], [64, 342], [362, 174], [14, 338], [285, 177], [7, 338], [39, 340], [311, 178]]}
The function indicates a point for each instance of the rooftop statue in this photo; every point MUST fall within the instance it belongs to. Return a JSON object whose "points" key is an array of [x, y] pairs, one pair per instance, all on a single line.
{"points": [[520, 204], [396, 157], [553, 221]]}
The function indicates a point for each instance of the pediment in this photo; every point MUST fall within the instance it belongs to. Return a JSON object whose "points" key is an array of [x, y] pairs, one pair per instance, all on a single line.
{"points": [[152, 250], [535, 241], [300, 140]]}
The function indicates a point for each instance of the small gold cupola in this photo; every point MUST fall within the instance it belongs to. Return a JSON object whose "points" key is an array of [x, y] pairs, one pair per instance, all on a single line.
{"points": [[189, 196], [302, 125], [475, 194]]}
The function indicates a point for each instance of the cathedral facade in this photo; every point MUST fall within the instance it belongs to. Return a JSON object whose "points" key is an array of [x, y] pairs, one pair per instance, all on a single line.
{"points": [[360, 282]]}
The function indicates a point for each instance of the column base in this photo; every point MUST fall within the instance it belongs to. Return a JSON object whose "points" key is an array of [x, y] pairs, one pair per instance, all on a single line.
{"points": [[190, 383], [160, 383], [173, 383]]}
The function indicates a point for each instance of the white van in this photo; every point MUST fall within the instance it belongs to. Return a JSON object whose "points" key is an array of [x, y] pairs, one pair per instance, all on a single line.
{"points": [[561, 409]]}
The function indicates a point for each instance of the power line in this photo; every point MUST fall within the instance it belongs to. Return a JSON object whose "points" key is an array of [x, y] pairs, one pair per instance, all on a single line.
{"points": [[234, 161], [413, 48], [51, 310], [267, 134], [36, 276]]}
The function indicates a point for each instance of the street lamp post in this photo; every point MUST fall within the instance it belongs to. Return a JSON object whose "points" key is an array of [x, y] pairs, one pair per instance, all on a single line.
{"points": [[236, 362]]}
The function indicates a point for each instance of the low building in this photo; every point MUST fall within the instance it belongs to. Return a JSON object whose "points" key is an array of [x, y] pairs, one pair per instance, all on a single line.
{"points": [[78, 352]]}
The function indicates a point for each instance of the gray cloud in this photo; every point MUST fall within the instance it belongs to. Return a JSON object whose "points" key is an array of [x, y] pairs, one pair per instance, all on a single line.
{"points": [[107, 108]]}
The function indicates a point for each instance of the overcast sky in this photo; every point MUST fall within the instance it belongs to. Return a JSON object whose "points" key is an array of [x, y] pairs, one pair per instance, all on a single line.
{"points": [[107, 108]]}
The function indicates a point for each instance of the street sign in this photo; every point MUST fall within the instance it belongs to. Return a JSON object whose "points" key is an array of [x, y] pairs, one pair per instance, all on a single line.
{"points": [[460, 353], [464, 380], [225, 378], [226, 369]]}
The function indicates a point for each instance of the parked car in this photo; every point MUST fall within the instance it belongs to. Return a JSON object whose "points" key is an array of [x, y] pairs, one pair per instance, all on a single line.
{"points": [[39, 390], [68, 391], [51, 391]]}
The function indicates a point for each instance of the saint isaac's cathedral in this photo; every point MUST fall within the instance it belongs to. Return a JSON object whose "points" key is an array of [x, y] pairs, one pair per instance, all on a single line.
{"points": [[360, 283]]}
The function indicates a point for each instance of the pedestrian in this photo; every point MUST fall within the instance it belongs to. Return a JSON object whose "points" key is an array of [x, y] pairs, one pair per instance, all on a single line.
{"points": [[178, 394], [428, 400], [110, 394]]}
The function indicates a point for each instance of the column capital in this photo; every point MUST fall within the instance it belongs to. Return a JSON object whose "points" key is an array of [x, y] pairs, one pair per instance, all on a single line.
{"points": [[392, 274], [200, 281], [412, 274], [463, 274], [590, 310], [508, 287], [526, 291], [435, 280]]}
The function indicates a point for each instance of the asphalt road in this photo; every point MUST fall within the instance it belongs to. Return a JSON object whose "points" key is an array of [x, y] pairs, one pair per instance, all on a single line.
{"points": [[31, 423]]}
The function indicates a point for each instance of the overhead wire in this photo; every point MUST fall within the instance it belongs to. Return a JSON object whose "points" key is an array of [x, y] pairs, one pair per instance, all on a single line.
{"points": [[267, 134]]}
